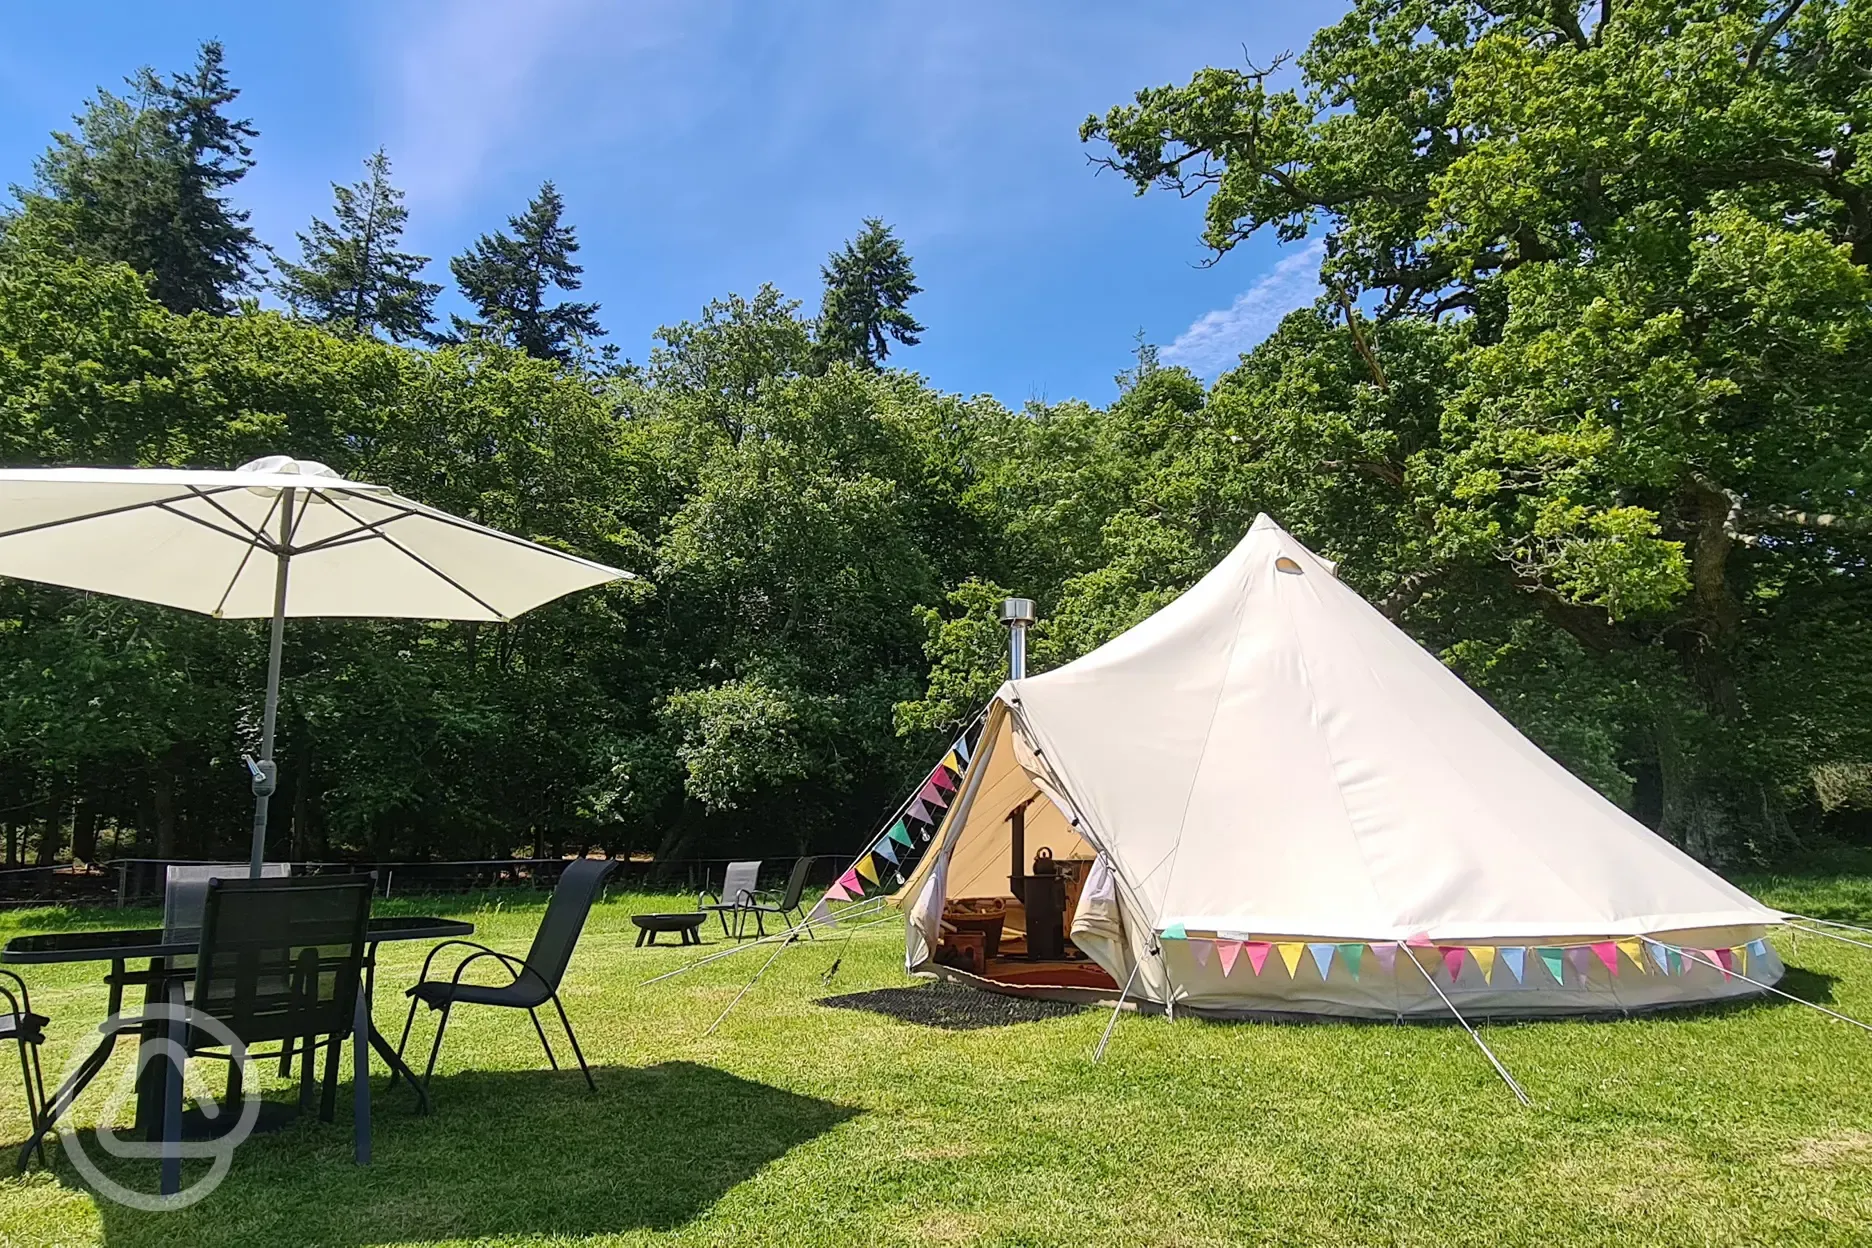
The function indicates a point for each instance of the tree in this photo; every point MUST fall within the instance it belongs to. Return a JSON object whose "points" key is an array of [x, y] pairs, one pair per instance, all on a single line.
{"points": [[351, 277], [1604, 439], [144, 181], [867, 287], [507, 278]]}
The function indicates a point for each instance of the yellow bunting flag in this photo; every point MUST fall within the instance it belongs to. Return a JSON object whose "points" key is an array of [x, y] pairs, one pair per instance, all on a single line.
{"points": [[1635, 951], [1484, 956], [952, 762], [866, 869], [1290, 951]]}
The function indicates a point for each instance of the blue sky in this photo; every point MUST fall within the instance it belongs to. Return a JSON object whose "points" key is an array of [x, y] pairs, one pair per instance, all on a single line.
{"points": [[707, 147]]}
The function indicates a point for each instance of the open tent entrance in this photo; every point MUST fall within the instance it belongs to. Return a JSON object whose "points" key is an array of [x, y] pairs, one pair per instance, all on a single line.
{"points": [[1005, 878]]}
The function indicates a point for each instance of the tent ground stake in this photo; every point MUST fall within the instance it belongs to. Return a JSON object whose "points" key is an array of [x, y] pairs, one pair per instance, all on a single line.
{"points": [[1480, 1043]]}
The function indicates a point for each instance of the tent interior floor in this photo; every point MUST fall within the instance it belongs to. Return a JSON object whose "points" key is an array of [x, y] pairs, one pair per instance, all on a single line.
{"points": [[1016, 968]]}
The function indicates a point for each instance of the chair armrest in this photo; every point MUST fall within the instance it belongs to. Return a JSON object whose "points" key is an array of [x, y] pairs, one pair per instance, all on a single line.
{"points": [[24, 1005], [480, 951]]}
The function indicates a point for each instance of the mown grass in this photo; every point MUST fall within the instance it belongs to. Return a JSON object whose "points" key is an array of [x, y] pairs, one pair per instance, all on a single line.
{"points": [[800, 1125]]}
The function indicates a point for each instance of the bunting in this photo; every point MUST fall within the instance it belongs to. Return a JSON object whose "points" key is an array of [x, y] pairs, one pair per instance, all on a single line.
{"points": [[943, 779], [1581, 958], [1257, 954], [1322, 957], [1290, 951], [1452, 960], [1635, 952], [887, 850], [1554, 961], [1202, 949], [1514, 957], [922, 813], [1386, 953], [1607, 952], [900, 834], [1175, 932], [1726, 957], [849, 883], [1228, 951], [867, 868], [932, 796], [1352, 954], [837, 893], [1484, 956]]}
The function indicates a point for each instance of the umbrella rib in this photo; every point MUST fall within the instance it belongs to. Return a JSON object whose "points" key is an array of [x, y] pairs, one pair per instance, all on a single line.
{"points": [[445, 518], [245, 556], [243, 536], [364, 532], [253, 536], [463, 589], [98, 515]]}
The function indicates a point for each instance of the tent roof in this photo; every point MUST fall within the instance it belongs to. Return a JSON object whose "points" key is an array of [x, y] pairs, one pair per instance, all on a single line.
{"points": [[1269, 754]]}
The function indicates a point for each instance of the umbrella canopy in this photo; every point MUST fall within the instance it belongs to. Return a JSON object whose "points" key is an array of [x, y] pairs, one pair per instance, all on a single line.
{"points": [[277, 537], [212, 542]]}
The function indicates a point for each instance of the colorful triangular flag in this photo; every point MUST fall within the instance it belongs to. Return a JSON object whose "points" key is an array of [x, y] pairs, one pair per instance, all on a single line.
{"points": [[1677, 964], [821, 914], [953, 760], [1257, 954], [1290, 951], [867, 868], [1228, 951], [1581, 958], [1175, 931], [943, 779], [1386, 953], [837, 893], [900, 834], [918, 810], [1352, 954], [1484, 956], [1514, 957], [931, 795], [1607, 952], [1202, 949], [1635, 952], [1726, 957], [1452, 960], [1322, 957], [887, 851], [1554, 960]]}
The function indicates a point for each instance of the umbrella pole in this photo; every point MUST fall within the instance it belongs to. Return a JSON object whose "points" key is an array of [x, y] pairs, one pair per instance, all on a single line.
{"points": [[266, 775]]}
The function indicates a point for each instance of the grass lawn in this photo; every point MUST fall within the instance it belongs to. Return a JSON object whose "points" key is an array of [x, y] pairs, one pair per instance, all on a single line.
{"points": [[800, 1125]]}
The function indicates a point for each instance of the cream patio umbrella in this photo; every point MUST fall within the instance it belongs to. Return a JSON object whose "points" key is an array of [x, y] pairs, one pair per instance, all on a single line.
{"points": [[277, 537]]}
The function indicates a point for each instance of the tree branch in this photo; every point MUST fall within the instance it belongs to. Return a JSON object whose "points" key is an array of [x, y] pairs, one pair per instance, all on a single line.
{"points": [[1770, 33]]}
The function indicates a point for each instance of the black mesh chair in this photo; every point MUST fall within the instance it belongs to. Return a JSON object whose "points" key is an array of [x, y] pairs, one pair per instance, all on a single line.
{"points": [[279, 960], [784, 905], [536, 977], [26, 1030]]}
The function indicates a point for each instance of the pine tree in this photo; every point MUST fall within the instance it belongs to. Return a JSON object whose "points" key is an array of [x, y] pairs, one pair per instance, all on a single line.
{"points": [[507, 279], [867, 286], [351, 276], [143, 181]]}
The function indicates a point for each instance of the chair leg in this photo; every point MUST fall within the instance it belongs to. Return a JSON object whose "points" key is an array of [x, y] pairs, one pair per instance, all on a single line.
{"points": [[360, 1080], [396, 1068], [306, 1082], [436, 1048], [567, 1024], [534, 1015], [171, 1180], [328, 1095], [35, 1105]]}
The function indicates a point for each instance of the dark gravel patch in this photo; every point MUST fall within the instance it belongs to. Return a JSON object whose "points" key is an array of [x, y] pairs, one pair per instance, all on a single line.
{"points": [[952, 1007]]}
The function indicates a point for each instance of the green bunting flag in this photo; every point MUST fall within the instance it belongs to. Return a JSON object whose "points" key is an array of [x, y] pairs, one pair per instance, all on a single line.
{"points": [[1554, 960], [901, 834], [1352, 955]]}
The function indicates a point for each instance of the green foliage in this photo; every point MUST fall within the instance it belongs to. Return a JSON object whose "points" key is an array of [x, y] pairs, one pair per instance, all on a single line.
{"points": [[508, 278], [1610, 423], [144, 179], [351, 277], [868, 286]]}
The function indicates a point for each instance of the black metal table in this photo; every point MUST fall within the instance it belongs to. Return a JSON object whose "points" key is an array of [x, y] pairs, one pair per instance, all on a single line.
{"points": [[157, 947]]}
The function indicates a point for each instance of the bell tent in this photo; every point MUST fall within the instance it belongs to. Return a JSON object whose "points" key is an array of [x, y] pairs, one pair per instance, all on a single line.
{"points": [[1267, 799]]}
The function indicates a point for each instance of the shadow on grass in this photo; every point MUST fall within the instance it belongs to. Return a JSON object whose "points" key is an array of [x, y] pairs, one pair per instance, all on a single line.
{"points": [[511, 1153], [952, 1007]]}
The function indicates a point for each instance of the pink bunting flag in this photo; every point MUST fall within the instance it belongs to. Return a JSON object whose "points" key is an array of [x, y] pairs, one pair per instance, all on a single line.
{"points": [[849, 883], [837, 893], [931, 795], [1257, 954], [1421, 940], [1386, 953], [943, 780], [1607, 952], [1228, 951], [1202, 949], [1724, 956], [1581, 958], [1453, 960]]}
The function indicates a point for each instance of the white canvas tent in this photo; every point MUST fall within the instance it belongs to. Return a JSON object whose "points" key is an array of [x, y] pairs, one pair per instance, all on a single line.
{"points": [[1269, 771]]}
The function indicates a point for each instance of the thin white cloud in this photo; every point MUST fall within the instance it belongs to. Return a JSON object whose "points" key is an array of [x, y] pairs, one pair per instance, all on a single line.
{"points": [[1215, 340]]}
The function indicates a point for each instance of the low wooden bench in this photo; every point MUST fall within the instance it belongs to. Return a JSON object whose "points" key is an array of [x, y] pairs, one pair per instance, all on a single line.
{"points": [[685, 926]]}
